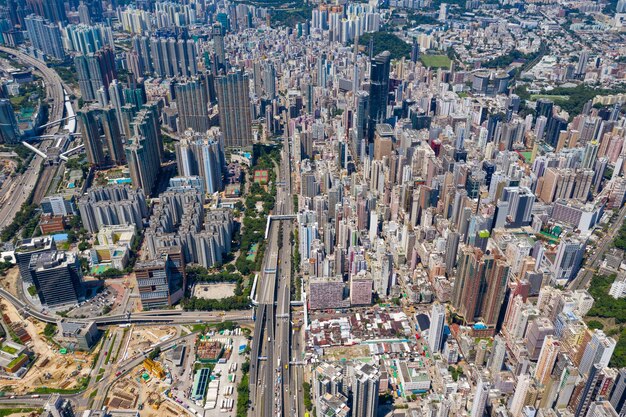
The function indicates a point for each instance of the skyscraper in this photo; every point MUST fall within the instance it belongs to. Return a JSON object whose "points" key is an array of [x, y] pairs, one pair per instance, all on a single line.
{"points": [[569, 256], [143, 150], [192, 98], [83, 14], [166, 57], [379, 90], [415, 50], [520, 397], [547, 359], [597, 352], [218, 46], [28, 248], [45, 37], [365, 391], [9, 132], [480, 284], [88, 39], [520, 206], [498, 353], [112, 205], [57, 278], [481, 395], [581, 67], [537, 331], [95, 71], [53, 10], [116, 100], [589, 391], [618, 396], [161, 281], [233, 98], [437, 321], [101, 136], [202, 155]]}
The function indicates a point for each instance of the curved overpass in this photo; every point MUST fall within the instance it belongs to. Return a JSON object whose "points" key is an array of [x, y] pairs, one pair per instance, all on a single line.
{"points": [[154, 316], [32, 179], [54, 84]]}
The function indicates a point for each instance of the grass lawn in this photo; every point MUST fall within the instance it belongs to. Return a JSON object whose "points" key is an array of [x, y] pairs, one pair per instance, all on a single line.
{"points": [[549, 97], [435, 61], [46, 390], [8, 349], [16, 361], [10, 411]]}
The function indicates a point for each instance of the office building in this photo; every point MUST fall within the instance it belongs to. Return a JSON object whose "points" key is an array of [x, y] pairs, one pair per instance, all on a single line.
{"points": [[379, 90], [84, 335], [26, 248], [45, 37], [112, 205], [233, 98], [9, 131], [57, 278], [383, 141], [365, 391], [437, 322], [361, 116], [568, 259], [101, 136], [59, 205], [161, 281], [57, 406], [192, 101]]}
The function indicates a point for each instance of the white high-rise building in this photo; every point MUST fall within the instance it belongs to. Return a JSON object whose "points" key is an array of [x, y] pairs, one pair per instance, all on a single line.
{"points": [[437, 322], [365, 391], [481, 395], [519, 397], [598, 351], [601, 409], [498, 353]]}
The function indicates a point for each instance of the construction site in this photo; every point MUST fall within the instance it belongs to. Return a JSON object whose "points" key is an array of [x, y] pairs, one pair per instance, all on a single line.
{"points": [[143, 338], [52, 366], [146, 388]]}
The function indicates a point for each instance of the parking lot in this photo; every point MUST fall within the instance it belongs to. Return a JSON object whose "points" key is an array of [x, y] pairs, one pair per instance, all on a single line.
{"points": [[102, 303]]}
